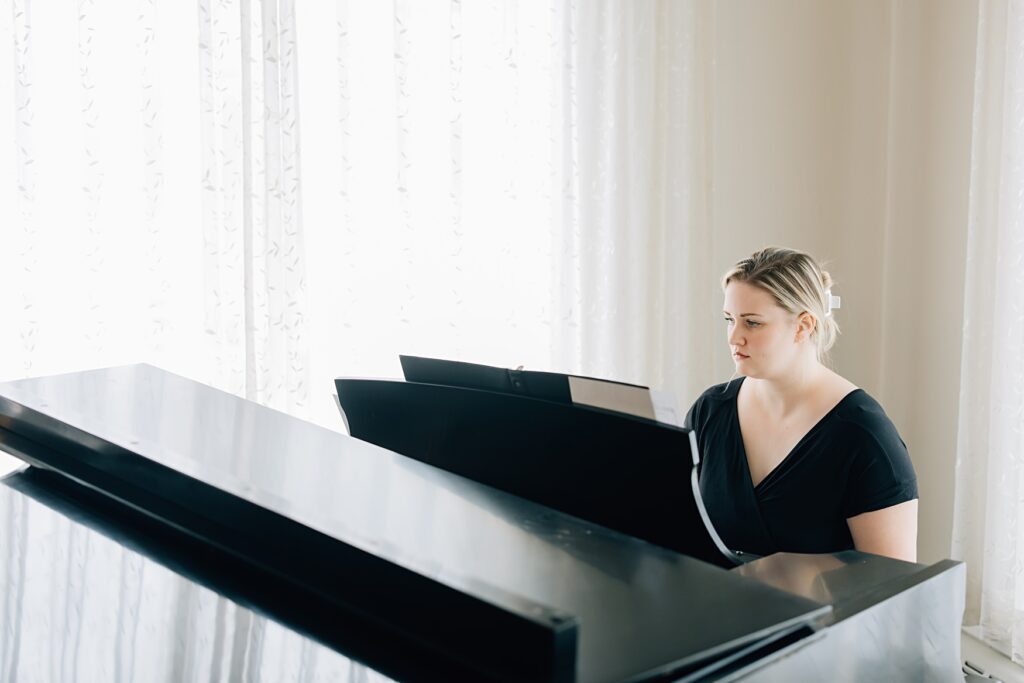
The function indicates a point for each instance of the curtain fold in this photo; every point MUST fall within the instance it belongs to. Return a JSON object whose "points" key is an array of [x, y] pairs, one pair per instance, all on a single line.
{"points": [[988, 516], [634, 235], [254, 256], [532, 188], [99, 206]]}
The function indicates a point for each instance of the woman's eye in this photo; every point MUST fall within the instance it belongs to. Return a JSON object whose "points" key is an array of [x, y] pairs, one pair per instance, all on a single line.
{"points": [[753, 323], [728, 320]]}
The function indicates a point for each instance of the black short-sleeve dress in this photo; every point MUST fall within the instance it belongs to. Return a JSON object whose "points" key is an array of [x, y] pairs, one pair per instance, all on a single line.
{"points": [[852, 461]]}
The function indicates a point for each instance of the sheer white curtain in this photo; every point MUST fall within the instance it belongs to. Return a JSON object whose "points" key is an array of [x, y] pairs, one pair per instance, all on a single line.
{"points": [[508, 183], [253, 252], [149, 199], [989, 511], [631, 179], [99, 204], [426, 167]]}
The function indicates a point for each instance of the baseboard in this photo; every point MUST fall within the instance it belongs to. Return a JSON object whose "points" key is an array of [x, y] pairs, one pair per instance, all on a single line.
{"points": [[993, 662]]}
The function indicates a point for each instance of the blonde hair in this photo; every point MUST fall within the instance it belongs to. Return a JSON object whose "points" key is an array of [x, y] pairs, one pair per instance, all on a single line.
{"points": [[797, 283]]}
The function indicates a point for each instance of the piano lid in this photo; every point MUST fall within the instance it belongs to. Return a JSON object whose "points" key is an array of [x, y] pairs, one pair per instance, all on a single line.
{"points": [[641, 610], [81, 601]]}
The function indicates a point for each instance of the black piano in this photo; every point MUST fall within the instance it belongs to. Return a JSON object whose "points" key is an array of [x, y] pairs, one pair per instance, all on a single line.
{"points": [[164, 530]]}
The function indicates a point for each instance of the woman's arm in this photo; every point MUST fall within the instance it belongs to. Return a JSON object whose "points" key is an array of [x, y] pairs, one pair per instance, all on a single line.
{"points": [[891, 531]]}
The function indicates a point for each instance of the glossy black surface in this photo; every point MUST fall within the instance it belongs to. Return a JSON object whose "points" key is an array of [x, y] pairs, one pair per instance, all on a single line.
{"points": [[92, 592], [848, 580], [640, 609], [891, 620], [548, 386], [622, 472], [342, 587]]}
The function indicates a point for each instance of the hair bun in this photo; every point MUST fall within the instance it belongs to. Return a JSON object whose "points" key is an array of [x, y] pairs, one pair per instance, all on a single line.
{"points": [[826, 280]]}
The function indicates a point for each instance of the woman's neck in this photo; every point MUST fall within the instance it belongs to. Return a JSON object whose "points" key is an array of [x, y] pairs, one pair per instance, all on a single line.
{"points": [[780, 396]]}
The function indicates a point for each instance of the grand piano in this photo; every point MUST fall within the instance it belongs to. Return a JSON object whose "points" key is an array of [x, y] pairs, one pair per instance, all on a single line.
{"points": [[164, 530]]}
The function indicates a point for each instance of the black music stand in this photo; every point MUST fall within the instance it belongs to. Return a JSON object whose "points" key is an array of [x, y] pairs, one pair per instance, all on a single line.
{"points": [[628, 473], [550, 386]]}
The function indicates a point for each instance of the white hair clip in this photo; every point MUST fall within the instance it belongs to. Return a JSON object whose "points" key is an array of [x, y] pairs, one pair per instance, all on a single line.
{"points": [[833, 302]]}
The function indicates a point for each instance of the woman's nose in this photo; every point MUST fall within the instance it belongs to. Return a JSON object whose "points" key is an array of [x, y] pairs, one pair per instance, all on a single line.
{"points": [[735, 336]]}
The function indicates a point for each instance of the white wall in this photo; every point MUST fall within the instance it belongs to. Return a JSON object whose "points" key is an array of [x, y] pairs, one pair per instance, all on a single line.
{"points": [[843, 129]]}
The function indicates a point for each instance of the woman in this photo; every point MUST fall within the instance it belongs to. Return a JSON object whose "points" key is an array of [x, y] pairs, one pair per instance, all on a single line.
{"points": [[793, 456]]}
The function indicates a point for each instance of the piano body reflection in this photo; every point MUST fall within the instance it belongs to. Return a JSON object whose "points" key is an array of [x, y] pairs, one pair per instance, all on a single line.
{"points": [[169, 531]]}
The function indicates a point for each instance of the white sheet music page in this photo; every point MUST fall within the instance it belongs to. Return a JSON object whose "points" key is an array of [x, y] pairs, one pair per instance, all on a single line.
{"points": [[666, 409], [653, 404]]}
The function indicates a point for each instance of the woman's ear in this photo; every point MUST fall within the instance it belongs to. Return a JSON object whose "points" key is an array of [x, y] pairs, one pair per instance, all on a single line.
{"points": [[805, 324]]}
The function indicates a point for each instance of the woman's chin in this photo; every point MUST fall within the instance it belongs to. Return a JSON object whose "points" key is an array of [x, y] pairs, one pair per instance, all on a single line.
{"points": [[745, 368]]}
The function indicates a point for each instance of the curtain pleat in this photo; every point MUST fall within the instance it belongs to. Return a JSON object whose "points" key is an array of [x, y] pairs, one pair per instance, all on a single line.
{"points": [[635, 234], [988, 529]]}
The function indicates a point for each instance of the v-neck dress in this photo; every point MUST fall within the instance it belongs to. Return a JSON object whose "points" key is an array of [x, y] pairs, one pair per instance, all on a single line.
{"points": [[852, 461]]}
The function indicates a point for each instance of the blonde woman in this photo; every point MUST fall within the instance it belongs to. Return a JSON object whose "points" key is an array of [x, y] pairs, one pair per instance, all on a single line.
{"points": [[793, 456]]}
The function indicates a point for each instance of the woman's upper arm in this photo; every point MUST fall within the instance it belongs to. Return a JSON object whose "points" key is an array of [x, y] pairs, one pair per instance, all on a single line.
{"points": [[891, 531]]}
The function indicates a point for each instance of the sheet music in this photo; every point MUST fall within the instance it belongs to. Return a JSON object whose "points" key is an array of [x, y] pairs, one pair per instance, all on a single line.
{"points": [[622, 398], [653, 404], [666, 409]]}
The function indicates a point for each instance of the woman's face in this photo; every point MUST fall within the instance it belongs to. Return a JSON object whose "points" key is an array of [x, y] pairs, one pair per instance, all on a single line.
{"points": [[765, 339]]}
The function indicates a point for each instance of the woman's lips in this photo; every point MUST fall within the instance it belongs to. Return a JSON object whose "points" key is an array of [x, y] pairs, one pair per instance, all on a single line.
{"points": [[739, 356]]}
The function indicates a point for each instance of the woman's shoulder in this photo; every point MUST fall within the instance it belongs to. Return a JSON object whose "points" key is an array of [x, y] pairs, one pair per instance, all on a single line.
{"points": [[723, 391], [880, 470], [710, 400], [871, 435], [862, 411]]}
